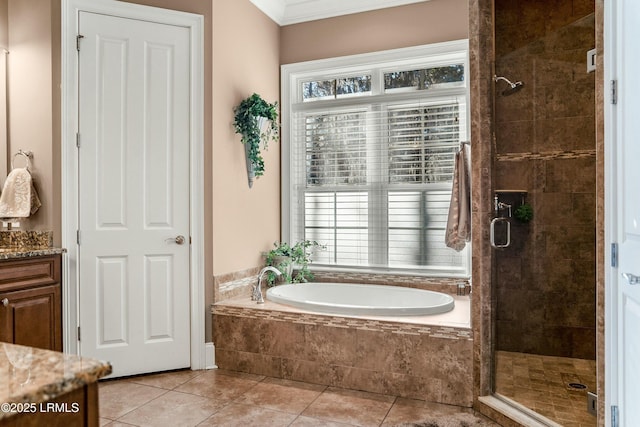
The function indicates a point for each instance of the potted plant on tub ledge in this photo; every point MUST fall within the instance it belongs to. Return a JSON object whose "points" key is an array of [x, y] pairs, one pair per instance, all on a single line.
{"points": [[291, 259], [256, 121]]}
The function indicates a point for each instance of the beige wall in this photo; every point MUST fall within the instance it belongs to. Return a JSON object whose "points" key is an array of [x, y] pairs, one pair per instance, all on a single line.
{"points": [[30, 101], [245, 60], [412, 25], [4, 24], [4, 46]]}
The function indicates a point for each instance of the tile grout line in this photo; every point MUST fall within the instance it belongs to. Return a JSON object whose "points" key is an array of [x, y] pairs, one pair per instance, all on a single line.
{"points": [[389, 410], [138, 407]]}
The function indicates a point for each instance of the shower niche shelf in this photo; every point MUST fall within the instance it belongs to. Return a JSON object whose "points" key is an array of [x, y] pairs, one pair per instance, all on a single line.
{"points": [[524, 192], [510, 203], [512, 198]]}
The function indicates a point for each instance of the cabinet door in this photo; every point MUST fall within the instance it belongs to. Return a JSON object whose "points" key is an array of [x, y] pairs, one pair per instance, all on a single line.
{"points": [[32, 317]]}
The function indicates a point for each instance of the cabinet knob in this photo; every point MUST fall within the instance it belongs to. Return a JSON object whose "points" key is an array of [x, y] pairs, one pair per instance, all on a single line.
{"points": [[5, 302]]}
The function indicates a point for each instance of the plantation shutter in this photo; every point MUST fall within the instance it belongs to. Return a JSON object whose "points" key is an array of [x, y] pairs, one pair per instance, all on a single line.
{"points": [[373, 182]]}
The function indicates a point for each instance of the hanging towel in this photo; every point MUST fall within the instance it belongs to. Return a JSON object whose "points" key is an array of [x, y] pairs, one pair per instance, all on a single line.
{"points": [[459, 221], [19, 198]]}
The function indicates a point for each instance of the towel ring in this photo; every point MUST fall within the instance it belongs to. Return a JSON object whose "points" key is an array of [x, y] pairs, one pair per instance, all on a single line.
{"points": [[26, 154]]}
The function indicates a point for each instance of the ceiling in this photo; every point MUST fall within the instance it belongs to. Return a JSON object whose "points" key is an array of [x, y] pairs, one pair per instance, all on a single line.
{"points": [[286, 12]]}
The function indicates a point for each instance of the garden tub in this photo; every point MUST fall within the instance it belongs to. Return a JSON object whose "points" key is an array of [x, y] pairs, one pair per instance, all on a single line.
{"points": [[360, 299]]}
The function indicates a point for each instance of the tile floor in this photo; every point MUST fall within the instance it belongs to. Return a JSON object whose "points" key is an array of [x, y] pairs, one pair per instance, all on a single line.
{"points": [[541, 383], [224, 398]]}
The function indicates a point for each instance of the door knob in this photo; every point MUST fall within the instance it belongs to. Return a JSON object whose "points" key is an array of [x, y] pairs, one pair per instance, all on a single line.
{"points": [[178, 240], [631, 279], [5, 302]]}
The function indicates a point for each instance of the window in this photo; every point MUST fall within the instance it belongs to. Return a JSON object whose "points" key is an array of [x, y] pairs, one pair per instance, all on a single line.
{"points": [[368, 157]]}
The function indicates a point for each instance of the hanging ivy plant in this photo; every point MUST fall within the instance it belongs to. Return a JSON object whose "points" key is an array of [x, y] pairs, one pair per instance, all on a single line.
{"points": [[247, 124]]}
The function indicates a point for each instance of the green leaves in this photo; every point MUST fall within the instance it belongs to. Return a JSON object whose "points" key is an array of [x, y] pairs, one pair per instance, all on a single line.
{"points": [[298, 255], [523, 213], [246, 123]]}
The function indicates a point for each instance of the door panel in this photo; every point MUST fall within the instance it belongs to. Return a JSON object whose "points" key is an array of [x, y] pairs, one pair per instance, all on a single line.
{"points": [[134, 123], [158, 291], [111, 300]]}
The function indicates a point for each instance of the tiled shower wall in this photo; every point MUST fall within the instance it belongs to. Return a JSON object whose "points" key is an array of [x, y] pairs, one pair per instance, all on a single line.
{"points": [[545, 144]]}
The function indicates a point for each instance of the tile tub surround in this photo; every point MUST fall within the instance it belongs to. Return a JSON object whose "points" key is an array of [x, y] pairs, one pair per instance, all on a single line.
{"points": [[50, 374], [234, 284], [408, 358]]}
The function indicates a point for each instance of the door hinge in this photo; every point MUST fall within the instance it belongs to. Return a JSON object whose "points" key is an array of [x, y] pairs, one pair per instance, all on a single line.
{"points": [[615, 420], [614, 255], [78, 38], [592, 403], [78, 236], [77, 140], [78, 333], [614, 91]]}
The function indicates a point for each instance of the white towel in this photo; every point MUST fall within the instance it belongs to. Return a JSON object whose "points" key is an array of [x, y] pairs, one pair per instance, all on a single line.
{"points": [[459, 221], [19, 198]]}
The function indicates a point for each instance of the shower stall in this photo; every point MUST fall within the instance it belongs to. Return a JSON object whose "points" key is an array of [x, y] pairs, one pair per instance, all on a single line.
{"points": [[544, 156]]}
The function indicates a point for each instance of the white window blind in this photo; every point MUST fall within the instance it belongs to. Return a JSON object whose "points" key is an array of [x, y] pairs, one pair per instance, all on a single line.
{"points": [[371, 178]]}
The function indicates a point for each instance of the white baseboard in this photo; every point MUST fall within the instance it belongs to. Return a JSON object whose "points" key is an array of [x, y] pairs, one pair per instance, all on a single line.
{"points": [[210, 356]]}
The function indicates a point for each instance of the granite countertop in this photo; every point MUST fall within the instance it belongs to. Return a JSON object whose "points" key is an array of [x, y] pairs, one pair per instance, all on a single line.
{"points": [[28, 251], [27, 243], [31, 375]]}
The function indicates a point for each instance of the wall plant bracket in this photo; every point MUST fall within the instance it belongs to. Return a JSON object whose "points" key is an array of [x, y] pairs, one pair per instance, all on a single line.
{"points": [[256, 121]]}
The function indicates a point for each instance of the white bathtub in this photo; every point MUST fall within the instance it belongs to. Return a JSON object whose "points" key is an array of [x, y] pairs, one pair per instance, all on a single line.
{"points": [[356, 299]]}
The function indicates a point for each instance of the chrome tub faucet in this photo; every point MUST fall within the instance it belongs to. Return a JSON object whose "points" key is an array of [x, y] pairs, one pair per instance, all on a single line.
{"points": [[256, 294]]}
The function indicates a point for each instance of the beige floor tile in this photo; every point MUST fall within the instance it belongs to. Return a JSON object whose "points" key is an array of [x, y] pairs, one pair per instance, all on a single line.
{"points": [[223, 398], [282, 395], [166, 380], [219, 385], [239, 415], [303, 421], [350, 407], [120, 397], [173, 409], [120, 424], [408, 411]]}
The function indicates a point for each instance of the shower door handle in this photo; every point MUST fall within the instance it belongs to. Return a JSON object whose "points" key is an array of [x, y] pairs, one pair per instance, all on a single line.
{"points": [[492, 232], [631, 279]]}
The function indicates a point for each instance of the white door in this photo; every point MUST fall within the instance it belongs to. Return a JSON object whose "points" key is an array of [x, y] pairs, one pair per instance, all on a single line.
{"points": [[134, 121], [626, 131]]}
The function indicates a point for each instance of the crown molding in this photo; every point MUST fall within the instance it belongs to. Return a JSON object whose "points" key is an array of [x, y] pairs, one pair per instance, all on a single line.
{"points": [[287, 12]]}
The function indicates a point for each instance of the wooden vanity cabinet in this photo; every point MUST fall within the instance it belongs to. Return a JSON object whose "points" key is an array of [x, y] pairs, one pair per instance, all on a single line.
{"points": [[30, 302]]}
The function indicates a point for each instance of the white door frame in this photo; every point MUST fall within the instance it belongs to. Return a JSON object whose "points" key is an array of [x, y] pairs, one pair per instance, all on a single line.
{"points": [[611, 213], [70, 202]]}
